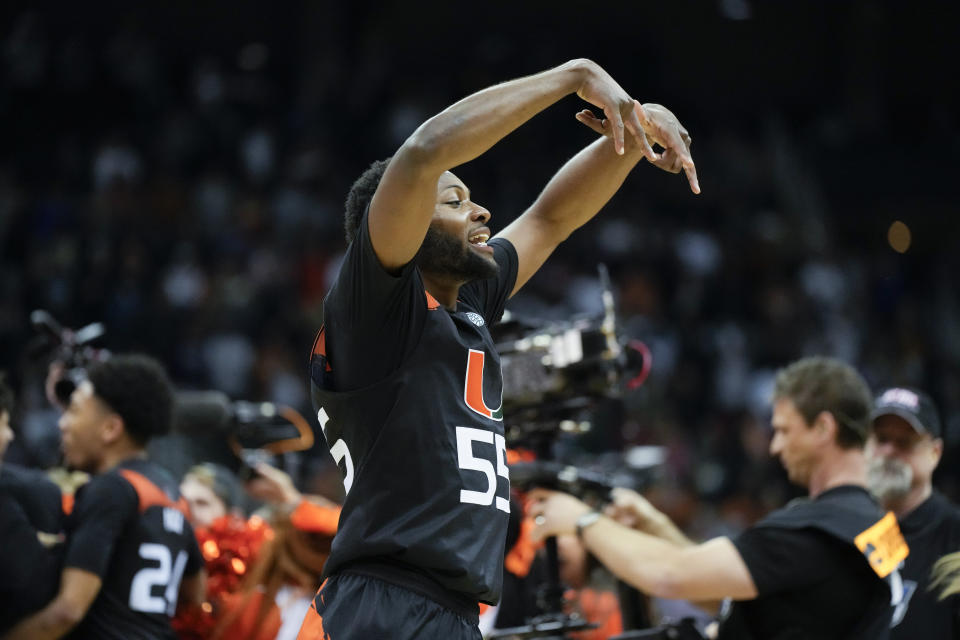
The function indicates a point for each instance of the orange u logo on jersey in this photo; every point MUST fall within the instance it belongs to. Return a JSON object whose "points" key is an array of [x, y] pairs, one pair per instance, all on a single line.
{"points": [[473, 387]]}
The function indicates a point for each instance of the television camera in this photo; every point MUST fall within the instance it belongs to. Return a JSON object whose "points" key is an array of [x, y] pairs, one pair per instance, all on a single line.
{"points": [[251, 431]]}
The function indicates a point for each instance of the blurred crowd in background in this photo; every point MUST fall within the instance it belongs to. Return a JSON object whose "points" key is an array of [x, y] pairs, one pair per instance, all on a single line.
{"points": [[178, 174]]}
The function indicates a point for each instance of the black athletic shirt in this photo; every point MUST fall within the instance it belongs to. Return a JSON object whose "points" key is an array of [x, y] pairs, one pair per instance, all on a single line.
{"points": [[128, 526], [932, 530], [408, 394], [29, 571], [811, 584], [38, 496]]}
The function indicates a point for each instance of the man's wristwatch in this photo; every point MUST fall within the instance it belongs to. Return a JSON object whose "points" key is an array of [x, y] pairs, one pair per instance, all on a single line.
{"points": [[586, 520]]}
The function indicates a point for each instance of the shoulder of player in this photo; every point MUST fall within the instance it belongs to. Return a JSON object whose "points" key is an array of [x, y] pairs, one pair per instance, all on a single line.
{"points": [[344, 289], [109, 488]]}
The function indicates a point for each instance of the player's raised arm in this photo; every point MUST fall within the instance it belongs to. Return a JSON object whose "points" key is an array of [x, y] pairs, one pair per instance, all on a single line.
{"points": [[587, 181], [403, 204]]}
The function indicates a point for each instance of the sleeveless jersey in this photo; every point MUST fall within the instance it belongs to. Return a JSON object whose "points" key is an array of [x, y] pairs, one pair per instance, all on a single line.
{"points": [[422, 451], [129, 526]]}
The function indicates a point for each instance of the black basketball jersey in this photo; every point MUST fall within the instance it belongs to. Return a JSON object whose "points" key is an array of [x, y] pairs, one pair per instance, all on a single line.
{"points": [[422, 450], [129, 526]]}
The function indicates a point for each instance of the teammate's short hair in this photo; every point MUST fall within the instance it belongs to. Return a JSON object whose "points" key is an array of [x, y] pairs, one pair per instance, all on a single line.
{"points": [[360, 195], [7, 398], [136, 387], [820, 384]]}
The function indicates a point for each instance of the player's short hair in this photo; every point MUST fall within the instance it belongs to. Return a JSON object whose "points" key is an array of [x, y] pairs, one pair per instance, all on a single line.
{"points": [[7, 397], [820, 384], [360, 195], [136, 387]]}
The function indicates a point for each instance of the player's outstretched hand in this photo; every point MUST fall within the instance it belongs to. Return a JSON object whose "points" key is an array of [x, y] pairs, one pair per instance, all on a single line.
{"points": [[601, 90], [661, 127]]}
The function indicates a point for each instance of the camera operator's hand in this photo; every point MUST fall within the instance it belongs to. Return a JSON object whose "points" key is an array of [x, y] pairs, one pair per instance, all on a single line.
{"points": [[554, 513], [273, 485], [631, 509], [54, 375]]}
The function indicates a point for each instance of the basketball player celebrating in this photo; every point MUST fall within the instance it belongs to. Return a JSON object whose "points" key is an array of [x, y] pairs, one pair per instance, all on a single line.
{"points": [[405, 376], [130, 553]]}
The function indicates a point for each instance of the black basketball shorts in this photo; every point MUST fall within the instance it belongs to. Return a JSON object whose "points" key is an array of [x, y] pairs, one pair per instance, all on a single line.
{"points": [[357, 607]]}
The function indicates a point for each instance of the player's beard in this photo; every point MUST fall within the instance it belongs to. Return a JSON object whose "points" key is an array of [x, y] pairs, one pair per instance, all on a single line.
{"points": [[447, 255], [889, 479]]}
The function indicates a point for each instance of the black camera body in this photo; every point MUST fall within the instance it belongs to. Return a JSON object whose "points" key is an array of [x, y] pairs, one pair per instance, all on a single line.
{"points": [[554, 373], [73, 348]]}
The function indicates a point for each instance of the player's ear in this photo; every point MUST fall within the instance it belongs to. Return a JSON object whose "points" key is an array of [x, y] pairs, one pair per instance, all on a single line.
{"points": [[112, 428]]}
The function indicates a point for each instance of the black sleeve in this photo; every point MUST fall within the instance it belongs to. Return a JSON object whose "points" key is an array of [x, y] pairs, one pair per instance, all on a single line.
{"points": [[28, 570], [490, 295], [102, 509], [373, 318], [780, 559], [36, 494]]}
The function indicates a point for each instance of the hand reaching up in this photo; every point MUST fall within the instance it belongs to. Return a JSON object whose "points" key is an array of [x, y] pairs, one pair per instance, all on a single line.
{"points": [[660, 127]]}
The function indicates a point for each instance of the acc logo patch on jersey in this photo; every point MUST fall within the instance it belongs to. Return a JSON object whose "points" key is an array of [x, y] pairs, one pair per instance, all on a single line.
{"points": [[475, 318]]}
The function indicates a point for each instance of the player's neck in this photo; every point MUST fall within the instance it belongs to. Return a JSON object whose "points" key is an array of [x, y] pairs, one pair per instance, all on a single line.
{"points": [[443, 289], [120, 452], [841, 467], [905, 505]]}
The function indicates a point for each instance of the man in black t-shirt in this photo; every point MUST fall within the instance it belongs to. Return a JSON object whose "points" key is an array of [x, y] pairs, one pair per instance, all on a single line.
{"points": [[130, 551], [405, 375], [904, 449], [822, 568]]}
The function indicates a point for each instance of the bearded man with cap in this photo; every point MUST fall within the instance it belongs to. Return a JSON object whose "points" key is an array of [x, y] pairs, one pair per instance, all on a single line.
{"points": [[904, 448]]}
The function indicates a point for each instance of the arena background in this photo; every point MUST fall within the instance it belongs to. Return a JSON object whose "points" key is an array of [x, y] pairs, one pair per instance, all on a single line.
{"points": [[177, 170]]}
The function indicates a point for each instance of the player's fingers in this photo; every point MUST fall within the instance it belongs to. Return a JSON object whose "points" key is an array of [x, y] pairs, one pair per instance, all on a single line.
{"points": [[635, 125], [675, 142], [669, 161], [674, 139], [592, 121], [642, 114], [616, 128], [691, 170]]}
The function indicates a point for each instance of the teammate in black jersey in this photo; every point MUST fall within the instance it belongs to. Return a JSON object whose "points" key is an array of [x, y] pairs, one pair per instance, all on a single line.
{"points": [[904, 450], [130, 551], [824, 567], [405, 376]]}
